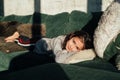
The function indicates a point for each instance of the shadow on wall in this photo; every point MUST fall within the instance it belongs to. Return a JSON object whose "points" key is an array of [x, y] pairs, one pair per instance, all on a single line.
{"points": [[92, 24], [37, 5], [94, 5], [36, 18], [36, 23], [1, 7]]}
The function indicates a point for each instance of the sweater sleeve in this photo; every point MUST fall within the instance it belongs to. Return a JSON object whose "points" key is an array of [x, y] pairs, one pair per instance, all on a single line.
{"points": [[60, 55]]}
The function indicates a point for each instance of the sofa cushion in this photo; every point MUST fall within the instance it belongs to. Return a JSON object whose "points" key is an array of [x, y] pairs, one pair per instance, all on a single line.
{"points": [[58, 24], [4, 61], [65, 23], [106, 31], [84, 55]]}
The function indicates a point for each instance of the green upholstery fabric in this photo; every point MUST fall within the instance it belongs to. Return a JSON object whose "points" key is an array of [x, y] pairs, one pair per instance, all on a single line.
{"points": [[61, 72], [58, 24], [113, 48], [4, 61], [6, 58], [22, 19]]}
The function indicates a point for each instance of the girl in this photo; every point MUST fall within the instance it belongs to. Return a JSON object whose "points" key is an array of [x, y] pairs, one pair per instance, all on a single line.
{"points": [[65, 46], [62, 47]]}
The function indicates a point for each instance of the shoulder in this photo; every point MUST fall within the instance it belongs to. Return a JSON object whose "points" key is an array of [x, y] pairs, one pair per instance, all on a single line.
{"points": [[59, 38], [62, 37]]}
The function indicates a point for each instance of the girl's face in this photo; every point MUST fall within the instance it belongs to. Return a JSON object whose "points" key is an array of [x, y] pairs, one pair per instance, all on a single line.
{"points": [[75, 44]]}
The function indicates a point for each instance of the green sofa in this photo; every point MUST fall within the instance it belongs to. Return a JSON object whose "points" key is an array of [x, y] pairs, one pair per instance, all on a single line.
{"points": [[23, 65]]}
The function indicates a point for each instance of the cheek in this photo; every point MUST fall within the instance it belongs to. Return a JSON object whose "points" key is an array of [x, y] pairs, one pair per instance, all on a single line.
{"points": [[67, 46]]}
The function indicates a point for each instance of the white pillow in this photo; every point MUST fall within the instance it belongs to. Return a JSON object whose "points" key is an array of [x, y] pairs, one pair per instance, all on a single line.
{"points": [[83, 55], [108, 28]]}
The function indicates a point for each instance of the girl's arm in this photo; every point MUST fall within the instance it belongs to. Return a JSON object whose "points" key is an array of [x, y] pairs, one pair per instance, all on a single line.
{"points": [[62, 56], [12, 37]]}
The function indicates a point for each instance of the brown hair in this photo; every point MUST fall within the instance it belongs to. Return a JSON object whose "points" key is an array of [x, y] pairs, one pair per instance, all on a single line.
{"points": [[80, 34]]}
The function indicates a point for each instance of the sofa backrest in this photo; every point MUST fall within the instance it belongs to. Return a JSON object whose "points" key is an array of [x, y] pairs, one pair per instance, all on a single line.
{"points": [[59, 24]]}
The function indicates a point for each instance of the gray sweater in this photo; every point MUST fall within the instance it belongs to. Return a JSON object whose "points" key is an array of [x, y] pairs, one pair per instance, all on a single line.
{"points": [[55, 44]]}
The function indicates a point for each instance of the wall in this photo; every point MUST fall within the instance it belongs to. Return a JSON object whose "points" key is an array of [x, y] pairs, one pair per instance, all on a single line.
{"points": [[26, 7], [19, 7]]}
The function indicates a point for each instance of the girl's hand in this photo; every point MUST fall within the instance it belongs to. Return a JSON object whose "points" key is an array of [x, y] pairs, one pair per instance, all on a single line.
{"points": [[12, 37]]}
